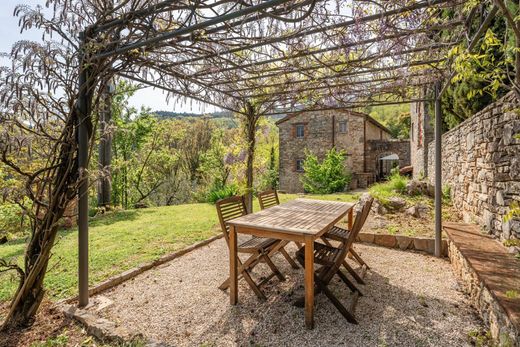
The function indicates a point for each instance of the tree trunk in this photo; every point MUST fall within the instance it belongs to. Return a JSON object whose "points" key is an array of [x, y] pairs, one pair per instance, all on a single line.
{"points": [[29, 295], [105, 149], [250, 129]]}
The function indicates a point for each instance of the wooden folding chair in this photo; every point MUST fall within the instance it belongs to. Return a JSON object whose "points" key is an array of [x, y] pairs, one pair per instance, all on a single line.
{"points": [[269, 198], [341, 235], [259, 248], [331, 259]]}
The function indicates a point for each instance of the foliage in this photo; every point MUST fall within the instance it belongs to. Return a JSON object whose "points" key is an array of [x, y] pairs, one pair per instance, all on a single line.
{"points": [[395, 117], [514, 211], [482, 76], [13, 220], [327, 177], [395, 185], [221, 192]]}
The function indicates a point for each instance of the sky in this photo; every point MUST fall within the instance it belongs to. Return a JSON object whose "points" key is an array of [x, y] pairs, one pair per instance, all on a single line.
{"points": [[149, 97]]}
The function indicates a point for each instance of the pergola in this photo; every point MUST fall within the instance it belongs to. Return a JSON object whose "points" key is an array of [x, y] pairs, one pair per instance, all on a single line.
{"points": [[273, 57]]}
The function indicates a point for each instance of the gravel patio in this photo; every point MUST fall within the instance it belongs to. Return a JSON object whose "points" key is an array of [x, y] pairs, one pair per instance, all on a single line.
{"points": [[410, 299]]}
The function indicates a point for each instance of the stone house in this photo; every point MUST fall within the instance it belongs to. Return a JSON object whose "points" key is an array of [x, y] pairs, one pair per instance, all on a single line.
{"points": [[364, 139]]}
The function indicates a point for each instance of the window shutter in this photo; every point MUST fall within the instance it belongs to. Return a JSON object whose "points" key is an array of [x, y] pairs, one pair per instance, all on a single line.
{"points": [[305, 130], [293, 131]]}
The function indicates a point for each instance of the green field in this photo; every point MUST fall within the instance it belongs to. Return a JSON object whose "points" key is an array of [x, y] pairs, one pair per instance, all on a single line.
{"points": [[124, 239]]}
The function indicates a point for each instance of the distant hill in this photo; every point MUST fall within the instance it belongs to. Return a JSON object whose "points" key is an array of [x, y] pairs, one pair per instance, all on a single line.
{"points": [[170, 114], [213, 115]]}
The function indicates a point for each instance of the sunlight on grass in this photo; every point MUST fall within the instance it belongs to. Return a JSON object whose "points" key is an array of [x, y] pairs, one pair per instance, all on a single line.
{"points": [[124, 239]]}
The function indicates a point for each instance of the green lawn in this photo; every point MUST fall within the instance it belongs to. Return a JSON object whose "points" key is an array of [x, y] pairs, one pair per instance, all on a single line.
{"points": [[122, 240]]}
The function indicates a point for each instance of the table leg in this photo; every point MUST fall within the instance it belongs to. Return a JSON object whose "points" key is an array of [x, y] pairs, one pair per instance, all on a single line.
{"points": [[350, 218], [233, 275], [309, 283]]}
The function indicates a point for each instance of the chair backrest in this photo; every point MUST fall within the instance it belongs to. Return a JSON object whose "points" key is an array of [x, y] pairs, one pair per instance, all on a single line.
{"points": [[268, 199], [228, 209], [361, 217]]}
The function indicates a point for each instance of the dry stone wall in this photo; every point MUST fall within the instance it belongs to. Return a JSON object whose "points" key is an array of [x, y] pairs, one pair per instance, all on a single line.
{"points": [[481, 165]]}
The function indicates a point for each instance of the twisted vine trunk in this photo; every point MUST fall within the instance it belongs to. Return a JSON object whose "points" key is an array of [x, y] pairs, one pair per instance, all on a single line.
{"points": [[62, 190], [250, 129]]}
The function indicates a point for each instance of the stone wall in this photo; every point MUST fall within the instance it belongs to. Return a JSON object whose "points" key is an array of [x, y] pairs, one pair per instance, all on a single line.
{"points": [[421, 134], [380, 148], [501, 327], [481, 165]]}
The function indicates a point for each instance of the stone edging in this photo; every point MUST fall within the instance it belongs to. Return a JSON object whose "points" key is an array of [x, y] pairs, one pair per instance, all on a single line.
{"points": [[403, 242], [131, 273]]}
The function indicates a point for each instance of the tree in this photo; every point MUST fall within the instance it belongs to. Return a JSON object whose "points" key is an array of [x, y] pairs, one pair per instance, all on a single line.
{"points": [[325, 177]]}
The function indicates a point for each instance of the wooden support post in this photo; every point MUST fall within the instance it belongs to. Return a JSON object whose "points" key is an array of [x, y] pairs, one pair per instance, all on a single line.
{"points": [[309, 283], [233, 269]]}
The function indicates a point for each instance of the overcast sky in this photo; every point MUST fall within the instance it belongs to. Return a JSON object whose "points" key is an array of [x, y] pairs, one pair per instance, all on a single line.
{"points": [[10, 33]]}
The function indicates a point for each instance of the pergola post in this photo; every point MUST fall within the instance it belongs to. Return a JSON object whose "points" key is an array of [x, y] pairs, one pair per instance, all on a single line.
{"points": [[438, 171], [83, 180]]}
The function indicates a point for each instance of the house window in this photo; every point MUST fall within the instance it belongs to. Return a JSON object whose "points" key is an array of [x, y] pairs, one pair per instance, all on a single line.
{"points": [[299, 165], [300, 130], [343, 127]]}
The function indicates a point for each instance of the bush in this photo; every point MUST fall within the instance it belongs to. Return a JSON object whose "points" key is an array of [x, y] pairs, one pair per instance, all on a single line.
{"points": [[396, 184], [218, 192], [12, 220], [327, 177]]}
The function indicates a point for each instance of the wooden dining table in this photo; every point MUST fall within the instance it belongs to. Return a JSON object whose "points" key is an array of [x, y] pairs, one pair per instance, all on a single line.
{"points": [[299, 220]]}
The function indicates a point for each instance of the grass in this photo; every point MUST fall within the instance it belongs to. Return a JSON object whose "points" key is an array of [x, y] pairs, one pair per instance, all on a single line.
{"points": [[396, 185], [121, 240]]}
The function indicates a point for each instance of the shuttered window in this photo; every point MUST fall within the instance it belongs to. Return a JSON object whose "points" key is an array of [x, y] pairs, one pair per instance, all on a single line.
{"points": [[299, 165], [300, 130], [343, 127]]}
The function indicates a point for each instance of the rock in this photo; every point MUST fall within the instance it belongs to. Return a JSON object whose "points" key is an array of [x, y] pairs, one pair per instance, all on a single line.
{"points": [[418, 210], [366, 237], [420, 188], [379, 222], [396, 204], [403, 242], [141, 205], [425, 245], [385, 240], [379, 208]]}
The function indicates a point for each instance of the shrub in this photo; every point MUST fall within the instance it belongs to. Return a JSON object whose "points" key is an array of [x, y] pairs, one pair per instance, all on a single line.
{"points": [[12, 220], [383, 191], [218, 192], [327, 177]]}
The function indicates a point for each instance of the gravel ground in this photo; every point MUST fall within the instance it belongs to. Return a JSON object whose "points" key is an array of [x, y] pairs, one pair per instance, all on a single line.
{"points": [[410, 299]]}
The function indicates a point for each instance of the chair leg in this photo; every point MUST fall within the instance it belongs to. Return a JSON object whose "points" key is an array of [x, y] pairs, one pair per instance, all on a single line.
{"points": [[289, 259], [353, 273], [349, 284], [243, 271], [349, 316], [249, 263], [358, 258], [273, 267]]}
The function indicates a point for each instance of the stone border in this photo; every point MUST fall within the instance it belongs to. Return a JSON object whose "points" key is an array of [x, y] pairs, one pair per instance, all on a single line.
{"points": [[403, 242], [106, 330], [496, 318], [131, 273]]}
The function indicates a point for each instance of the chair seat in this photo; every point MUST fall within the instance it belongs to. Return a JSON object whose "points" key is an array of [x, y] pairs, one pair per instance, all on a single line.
{"points": [[323, 254], [256, 244], [337, 234]]}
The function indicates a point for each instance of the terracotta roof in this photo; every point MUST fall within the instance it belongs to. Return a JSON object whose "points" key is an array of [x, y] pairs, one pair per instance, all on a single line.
{"points": [[359, 114]]}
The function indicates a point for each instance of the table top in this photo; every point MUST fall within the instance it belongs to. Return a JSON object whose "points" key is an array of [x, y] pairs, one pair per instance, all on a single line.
{"points": [[299, 216]]}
